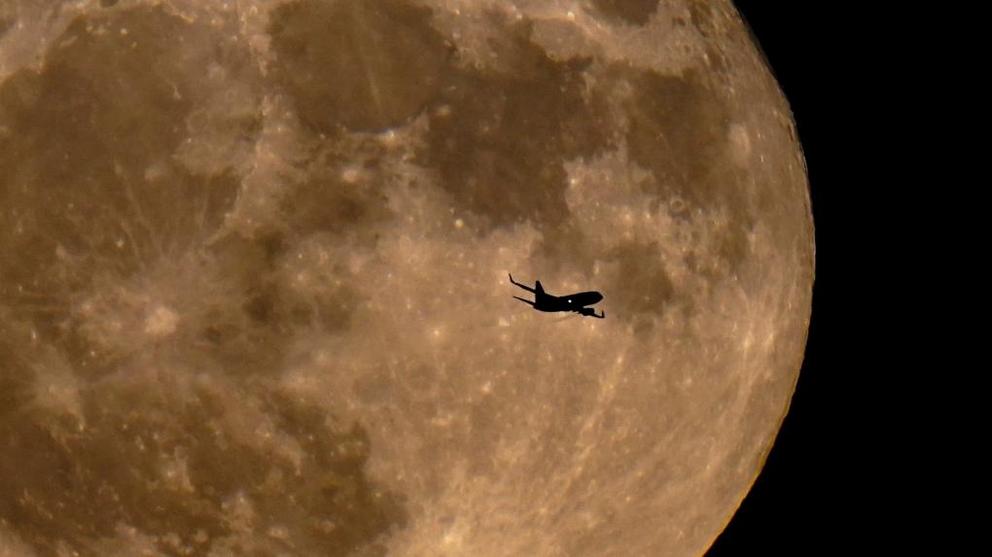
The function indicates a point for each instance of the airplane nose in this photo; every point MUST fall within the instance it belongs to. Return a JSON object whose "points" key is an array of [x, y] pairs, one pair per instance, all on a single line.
{"points": [[597, 296]]}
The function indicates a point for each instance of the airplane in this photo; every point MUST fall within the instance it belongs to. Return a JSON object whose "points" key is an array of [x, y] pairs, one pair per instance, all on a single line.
{"points": [[573, 302]]}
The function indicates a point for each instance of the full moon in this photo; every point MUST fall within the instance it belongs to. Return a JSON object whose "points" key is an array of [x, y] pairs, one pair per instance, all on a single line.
{"points": [[253, 276]]}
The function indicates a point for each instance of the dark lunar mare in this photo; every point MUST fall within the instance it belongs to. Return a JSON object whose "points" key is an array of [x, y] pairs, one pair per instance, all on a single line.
{"points": [[498, 137], [86, 162]]}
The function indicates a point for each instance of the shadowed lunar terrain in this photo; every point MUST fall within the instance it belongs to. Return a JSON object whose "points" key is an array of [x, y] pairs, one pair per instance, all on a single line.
{"points": [[253, 261]]}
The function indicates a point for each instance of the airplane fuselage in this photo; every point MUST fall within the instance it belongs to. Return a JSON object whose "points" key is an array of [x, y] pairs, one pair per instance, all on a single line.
{"points": [[573, 302]]}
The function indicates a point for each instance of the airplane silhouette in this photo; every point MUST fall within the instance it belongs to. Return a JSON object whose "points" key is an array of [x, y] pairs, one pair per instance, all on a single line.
{"points": [[573, 302]]}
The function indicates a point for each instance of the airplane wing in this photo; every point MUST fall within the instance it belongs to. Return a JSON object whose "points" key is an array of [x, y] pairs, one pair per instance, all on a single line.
{"points": [[591, 312], [527, 288]]}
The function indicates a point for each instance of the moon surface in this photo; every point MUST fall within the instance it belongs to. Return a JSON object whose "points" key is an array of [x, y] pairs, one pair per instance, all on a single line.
{"points": [[253, 260]]}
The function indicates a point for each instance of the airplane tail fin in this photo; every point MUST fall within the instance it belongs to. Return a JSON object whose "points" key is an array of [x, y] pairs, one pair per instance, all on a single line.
{"points": [[539, 288]]}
